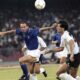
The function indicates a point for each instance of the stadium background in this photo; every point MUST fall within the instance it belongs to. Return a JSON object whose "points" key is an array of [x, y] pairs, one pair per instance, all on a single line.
{"points": [[12, 11]]}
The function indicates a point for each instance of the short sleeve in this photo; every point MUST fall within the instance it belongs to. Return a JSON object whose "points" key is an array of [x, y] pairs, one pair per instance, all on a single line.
{"points": [[68, 38], [41, 42], [65, 39], [35, 32]]}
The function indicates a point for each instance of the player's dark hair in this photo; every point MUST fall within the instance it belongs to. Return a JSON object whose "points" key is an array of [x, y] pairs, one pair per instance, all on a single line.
{"points": [[63, 24], [23, 21]]}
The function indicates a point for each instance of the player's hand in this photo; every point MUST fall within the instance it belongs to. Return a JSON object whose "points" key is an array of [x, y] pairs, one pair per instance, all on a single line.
{"points": [[46, 51], [54, 25], [72, 57]]}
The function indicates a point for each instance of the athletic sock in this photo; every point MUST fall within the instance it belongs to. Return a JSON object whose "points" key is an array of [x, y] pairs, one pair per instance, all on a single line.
{"points": [[34, 77], [42, 70], [25, 70], [77, 78]]}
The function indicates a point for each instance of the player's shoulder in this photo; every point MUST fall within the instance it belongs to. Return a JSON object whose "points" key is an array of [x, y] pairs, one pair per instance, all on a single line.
{"points": [[39, 38], [65, 34]]}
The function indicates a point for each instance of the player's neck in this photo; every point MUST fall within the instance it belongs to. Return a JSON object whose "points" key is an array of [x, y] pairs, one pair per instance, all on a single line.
{"points": [[62, 32]]}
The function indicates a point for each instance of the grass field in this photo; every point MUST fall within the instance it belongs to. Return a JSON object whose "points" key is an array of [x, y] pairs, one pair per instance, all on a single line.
{"points": [[14, 73]]}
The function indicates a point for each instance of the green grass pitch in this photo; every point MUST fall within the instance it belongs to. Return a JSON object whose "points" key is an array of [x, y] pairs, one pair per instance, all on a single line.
{"points": [[14, 73]]}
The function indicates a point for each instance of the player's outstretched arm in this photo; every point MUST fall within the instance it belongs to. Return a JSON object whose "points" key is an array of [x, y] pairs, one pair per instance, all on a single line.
{"points": [[7, 32], [54, 50], [47, 28]]}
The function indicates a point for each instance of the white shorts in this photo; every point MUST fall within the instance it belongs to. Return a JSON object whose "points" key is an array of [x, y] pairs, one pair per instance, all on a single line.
{"points": [[33, 53]]}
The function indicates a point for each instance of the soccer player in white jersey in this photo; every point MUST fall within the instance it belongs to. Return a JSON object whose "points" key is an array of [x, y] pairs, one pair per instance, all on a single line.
{"points": [[42, 46], [62, 55], [68, 42]]}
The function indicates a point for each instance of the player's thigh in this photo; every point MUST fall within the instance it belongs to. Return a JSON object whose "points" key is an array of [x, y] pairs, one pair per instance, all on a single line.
{"points": [[62, 68], [27, 58], [62, 60]]}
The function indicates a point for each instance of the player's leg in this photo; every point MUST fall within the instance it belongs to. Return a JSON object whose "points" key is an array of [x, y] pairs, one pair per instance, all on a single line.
{"points": [[24, 67], [62, 60], [36, 69], [73, 71], [74, 66], [65, 76], [62, 69], [32, 71]]}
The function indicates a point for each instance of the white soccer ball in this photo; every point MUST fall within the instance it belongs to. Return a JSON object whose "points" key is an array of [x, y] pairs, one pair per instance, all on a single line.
{"points": [[40, 4]]}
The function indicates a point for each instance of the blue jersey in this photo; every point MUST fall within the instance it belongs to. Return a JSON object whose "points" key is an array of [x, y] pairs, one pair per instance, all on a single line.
{"points": [[57, 37], [30, 38]]}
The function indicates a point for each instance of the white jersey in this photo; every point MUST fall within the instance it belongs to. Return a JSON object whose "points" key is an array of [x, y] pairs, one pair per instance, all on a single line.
{"points": [[65, 38], [41, 43]]}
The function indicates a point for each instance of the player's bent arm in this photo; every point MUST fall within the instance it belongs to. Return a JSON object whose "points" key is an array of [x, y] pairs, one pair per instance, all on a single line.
{"points": [[47, 28], [42, 48], [54, 50], [7, 32], [71, 44]]}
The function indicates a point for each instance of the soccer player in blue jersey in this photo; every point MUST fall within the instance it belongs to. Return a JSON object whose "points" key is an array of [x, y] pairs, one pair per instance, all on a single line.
{"points": [[56, 39], [30, 37]]}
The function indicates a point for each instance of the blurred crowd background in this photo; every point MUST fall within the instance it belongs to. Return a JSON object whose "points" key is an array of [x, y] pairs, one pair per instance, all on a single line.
{"points": [[11, 12]]}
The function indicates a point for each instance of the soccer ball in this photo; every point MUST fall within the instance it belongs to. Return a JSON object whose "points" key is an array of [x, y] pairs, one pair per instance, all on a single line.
{"points": [[40, 4]]}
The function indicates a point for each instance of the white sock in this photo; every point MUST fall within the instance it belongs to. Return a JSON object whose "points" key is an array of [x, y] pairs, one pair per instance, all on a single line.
{"points": [[77, 78], [33, 77], [42, 70], [65, 76]]}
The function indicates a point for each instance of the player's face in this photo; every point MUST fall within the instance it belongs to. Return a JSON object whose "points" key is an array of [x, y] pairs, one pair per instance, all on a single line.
{"points": [[24, 27], [58, 28]]}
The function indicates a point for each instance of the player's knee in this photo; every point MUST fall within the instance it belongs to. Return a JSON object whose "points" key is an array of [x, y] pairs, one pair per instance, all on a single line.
{"points": [[57, 73], [31, 72], [37, 71], [20, 60]]}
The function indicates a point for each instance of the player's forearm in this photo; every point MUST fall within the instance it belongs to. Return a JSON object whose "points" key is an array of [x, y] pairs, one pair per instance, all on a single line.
{"points": [[57, 49], [45, 28], [42, 48], [54, 50], [7, 32], [71, 44]]}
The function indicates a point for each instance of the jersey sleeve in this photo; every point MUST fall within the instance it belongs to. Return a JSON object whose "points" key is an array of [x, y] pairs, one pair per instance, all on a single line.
{"points": [[68, 38], [35, 32], [41, 42], [65, 39]]}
